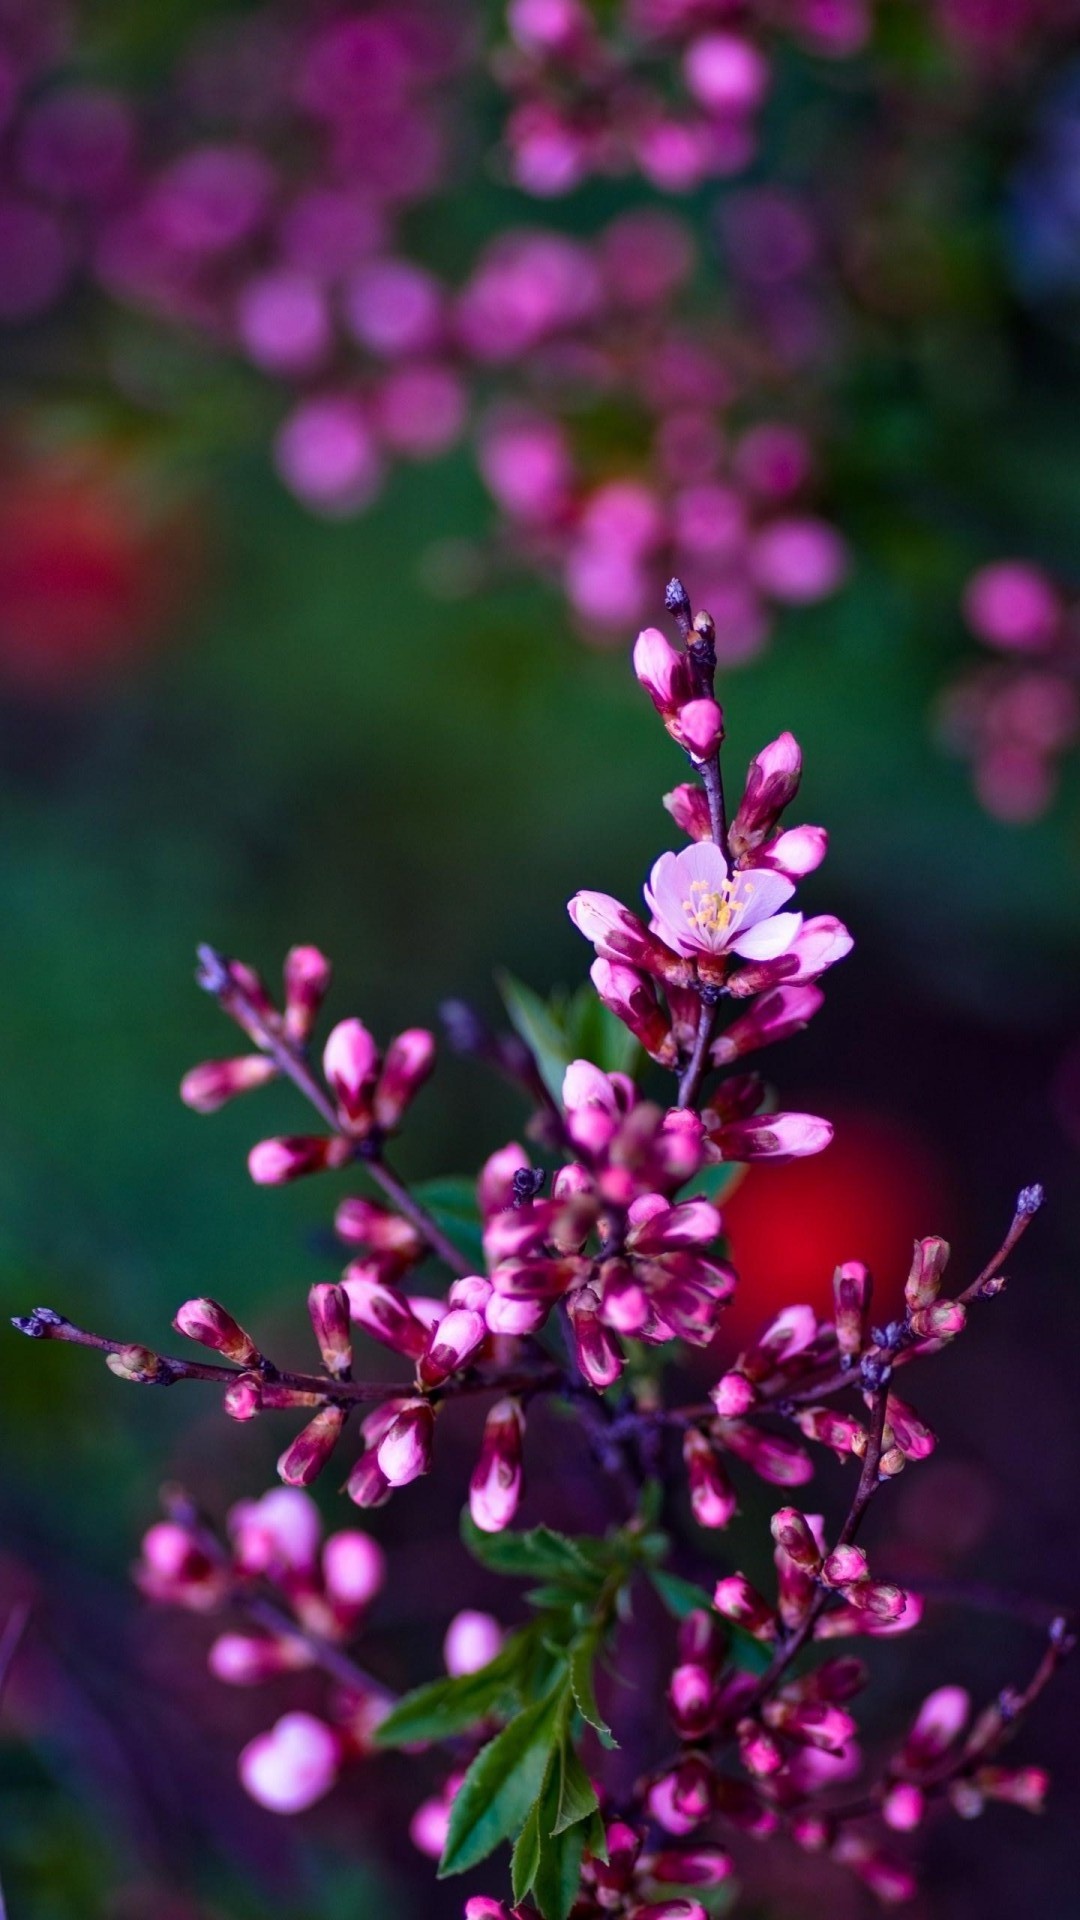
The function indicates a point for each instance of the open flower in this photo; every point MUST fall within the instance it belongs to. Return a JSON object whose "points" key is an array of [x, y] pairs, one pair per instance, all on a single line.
{"points": [[701, 907]]}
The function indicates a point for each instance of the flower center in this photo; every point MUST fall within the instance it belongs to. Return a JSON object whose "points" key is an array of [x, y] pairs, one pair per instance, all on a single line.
{"points": [[711, 910]]}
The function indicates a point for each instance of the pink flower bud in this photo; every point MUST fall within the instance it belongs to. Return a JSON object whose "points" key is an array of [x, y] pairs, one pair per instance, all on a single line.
{"points": [[791, 1531], [363, 1223], [598, 1352], [726, 74], [773, 1017], [516, 1318], [795, 853], [1013, 605], [903, 1807], [759, 1752], [495, 1188], [209, 1324], [737, 1600], [631, 996], [773, 1136], [927, 1267], [617, 934], [242, 1660], [692, 1700], [279, 1533], [451, 1345], [771, 783], [892, 1881], [907, 1432], [712, 1497], [386, 1315], [351, 1063], [242, 1400], [938, 1724], [680, 1800], [840, 1431], [689, 809], [663, 672], [209, 1086], [822, 941], [291, 1766], [273, 1162], [782, 1462], [875, 1597], [692, 1867], [845, 1566], [733, 1395], [354, 1569], [410, 1058], [482, 1907], [328, 1307], [496, 1484], [852, 1288], [404, 1453], [699, 727], [307, 983], [138, 1365], [367, 1485], [1025, 1787], [303, 1461], [472, 1641], [671, 1910], [942, 1321]]}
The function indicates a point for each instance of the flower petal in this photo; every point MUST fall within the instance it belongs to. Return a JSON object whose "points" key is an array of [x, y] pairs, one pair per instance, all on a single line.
{"points": [[768, 938]]}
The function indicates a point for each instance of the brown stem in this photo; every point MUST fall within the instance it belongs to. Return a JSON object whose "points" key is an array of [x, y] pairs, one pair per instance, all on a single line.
{"points": [[697, 1066]]}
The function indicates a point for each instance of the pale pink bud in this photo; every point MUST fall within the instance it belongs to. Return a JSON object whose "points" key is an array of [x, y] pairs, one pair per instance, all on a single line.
{"points": [[430, 1825], [844, 1566], [689, 809], [774, 1136], [496, 1484], [712, 1496], [692, 1867], [273, 1162], [472, 1641], [791, 1531], [782, 1462], [506, 1315], [174, 1569], [328, 1307], [840, 1431], [938, 1724], [404, 1453], [367, 1485], [278, 1533], [242, 1660], [495, 1188], [679, 1801], [363, 1223], [291, 1766], [691, 1700], [303, 1461], [771, 783], [903, 1807], [851, 1291], [354, 1568], [726, 74], [451, 1345], [598, 1352], [307, 983], [737, 1600], [410, 1058], [942, 1321], [773, 1017], [927, 1267], [907, 1431], [386, 1315], [1025, 1787], [662, 671], [699, 728], [822, 941], [617, 934], [482, 1907], [796, 853], [242, 1399], [351, 1063], [877, 1598], [631, 996], [759, 1752], [209, 1324], [209, 1086], [733, 1395]]}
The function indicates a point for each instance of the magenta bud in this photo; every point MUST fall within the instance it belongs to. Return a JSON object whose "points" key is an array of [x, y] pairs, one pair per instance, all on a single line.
{"points": [[273, 1162], [759, 1752], [618, 935], [451, 1345], [680, 1800], [733, 1395], [210, 1086], [410, 1058], [699, 727], [367, 1485], [292, 1766], [598, 1352], [496, 1484], [927, 1267], [938, 1725], [1025, 1787], [773, 1136], [303, 1461], [404, 1453], [209, 1324], [137, 1364], [307, 983], [712, 1497], [351, 1063], [771, 783], [738, 1601], [903, 1807], [691, 1867], [472, 1290], [328, 1306], [791, 1531], [631, 996], [242, 1399], [942, 1321], [663, 672], [671, 1910], [876, 1598], [773, 1017], [472, 1641], [689, 809], [692, 1700], [386, 1315], [244, 1660], [353, 1568], [840, 1431], [852, 1288], [782, 1462], [363, 1223], [845, 1566]]}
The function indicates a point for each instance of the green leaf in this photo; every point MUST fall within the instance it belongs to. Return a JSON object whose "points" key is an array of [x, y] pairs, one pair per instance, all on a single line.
{"points": [[576, 1794], [582, 1661], [500, 1787], [451, 1202], [594, 1033], [525, 1860], [539, 1554], [445, 1707], [557, 1881], [540, 1029], [596, 1836], [681, 1597]]}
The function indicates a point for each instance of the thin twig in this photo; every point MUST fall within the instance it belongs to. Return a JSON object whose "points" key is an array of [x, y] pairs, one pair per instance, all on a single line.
{"points": [[697, 1066]]}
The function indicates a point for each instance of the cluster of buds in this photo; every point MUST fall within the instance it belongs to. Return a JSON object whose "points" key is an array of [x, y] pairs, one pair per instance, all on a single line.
{"points": [[668, 89], [1015, 718]]}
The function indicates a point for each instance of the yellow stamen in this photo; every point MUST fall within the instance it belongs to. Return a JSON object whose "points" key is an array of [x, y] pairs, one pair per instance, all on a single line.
{"points": [[711, 910]]}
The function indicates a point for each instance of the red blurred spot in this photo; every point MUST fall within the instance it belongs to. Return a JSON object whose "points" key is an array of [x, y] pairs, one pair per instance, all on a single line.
{"points": [[91, 568], [867, 1197]]}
